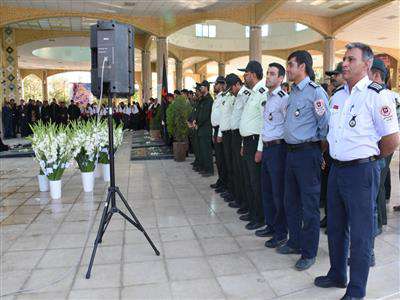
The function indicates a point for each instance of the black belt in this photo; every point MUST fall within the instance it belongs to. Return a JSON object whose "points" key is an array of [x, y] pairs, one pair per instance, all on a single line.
{"points": [[302, 146], [353, 162], [273, 142], [226, 131], [251, 137], [216, 127], [235, 131]]}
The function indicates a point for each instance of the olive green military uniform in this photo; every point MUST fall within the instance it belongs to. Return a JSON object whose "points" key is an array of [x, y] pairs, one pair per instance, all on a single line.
{"points": [[204, 132]]}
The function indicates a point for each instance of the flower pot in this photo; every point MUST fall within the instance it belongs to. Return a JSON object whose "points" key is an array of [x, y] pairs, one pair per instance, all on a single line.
{"points": [[88, 181], [97, 171], [55, 189], [43, 183], [155, 134], [179, 149], [106, 172]]}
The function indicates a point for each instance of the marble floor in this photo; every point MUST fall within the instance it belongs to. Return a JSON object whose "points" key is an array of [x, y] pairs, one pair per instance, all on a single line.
{"points": [[205, 251]]}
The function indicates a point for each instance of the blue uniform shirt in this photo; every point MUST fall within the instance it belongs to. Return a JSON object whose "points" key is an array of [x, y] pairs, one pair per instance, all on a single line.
{"points": [[307, 114]]}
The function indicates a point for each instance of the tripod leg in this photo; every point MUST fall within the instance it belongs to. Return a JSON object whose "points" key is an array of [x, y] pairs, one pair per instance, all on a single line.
{"points": [[137, 225], [99, 234], [108, 219]]}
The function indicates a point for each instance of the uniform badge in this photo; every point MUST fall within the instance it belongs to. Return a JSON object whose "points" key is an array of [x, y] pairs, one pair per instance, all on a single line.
{"points": [[261, 90], [270, 117], [352, 122], [386, 113], [263, 103], [297, 113], [319, 107]]}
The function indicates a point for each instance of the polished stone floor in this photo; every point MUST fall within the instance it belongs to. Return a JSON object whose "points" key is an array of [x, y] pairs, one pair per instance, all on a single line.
{"points": [[205, 251]]}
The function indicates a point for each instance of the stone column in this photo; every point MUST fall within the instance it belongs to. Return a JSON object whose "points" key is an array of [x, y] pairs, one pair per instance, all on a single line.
{"points": [[146, 76], [255, 43], [221, 68], [178, 74], [329, 54], [45, 95], [12, 81], [162, 56]]}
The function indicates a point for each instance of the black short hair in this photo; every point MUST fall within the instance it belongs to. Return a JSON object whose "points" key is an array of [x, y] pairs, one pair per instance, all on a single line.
{"points": [[177, 92], [380, 72], [304, 57], [281, 69]]}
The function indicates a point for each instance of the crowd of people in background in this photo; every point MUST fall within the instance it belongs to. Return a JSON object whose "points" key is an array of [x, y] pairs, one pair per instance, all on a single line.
{"points": [[17, 118]]}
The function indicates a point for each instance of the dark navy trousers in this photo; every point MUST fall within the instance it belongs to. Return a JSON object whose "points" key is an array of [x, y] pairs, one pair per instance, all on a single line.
{"points": [[273, 188], [302, 193], [352, 192]]}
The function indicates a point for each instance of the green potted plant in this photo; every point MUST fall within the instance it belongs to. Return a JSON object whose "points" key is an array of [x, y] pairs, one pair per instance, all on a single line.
{"points": [[177, 115], [155, 124]]}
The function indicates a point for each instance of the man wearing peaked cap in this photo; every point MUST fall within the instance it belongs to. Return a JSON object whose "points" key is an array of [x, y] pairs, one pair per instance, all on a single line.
{"points": [[250, 127]]}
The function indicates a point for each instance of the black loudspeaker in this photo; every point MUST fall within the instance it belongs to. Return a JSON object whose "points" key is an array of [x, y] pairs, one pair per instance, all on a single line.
{"points": [[114, 42]]}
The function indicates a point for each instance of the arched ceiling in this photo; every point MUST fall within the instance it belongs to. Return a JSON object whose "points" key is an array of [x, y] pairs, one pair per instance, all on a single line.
{"points": [[232, 37]]}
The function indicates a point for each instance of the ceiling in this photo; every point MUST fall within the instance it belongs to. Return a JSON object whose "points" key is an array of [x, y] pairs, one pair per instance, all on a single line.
{"points": [[380, 28], [130, 7], [231, 37], [325, 8], [62, 24]]}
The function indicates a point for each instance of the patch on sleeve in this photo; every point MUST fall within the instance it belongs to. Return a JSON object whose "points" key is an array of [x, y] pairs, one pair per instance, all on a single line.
{"points": [[319, 107], [386, 113], [376, 87], [281, 93], [261, 90]]}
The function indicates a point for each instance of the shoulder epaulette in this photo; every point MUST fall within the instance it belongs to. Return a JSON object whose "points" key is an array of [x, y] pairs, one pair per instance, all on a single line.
{"points": [[313, 84], [246, 92], [337, 89], [261, 90], [281, 93], [376, 87]]}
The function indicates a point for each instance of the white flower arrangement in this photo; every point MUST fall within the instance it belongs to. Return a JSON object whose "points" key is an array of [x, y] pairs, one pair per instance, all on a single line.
{"points": [[53, 149], [87, 141], [104, 157]]}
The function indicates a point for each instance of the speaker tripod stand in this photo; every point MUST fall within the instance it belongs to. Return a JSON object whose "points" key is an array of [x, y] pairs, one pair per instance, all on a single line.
{"points": [[110, 207]]}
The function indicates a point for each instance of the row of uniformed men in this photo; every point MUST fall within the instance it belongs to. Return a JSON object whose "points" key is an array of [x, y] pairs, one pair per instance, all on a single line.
{"points": [[269, 146]]}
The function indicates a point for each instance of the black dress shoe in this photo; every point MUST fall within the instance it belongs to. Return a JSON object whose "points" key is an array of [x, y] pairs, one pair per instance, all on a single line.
{"points": [[347, 297], [225, 194], [233, 204], [220, 190], [323, 222], [267, 231], [275, 243], [254, 225], [207, 174], [242, 211], [326, 282], [245, 217]]}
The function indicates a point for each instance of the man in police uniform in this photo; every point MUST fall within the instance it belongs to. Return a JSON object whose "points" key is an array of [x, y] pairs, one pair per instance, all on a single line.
{"points": [[363, 125], [219, 88], [250, 127], [236, 87], [204, 130], [378, 74], [273, 148], [305, 128], [225, 135]]}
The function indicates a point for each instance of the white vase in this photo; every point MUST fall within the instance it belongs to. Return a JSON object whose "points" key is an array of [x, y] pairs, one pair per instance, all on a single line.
{"points": [[55, 189], [43, 183], [88, 181], [97, 171], [106, 172]]}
